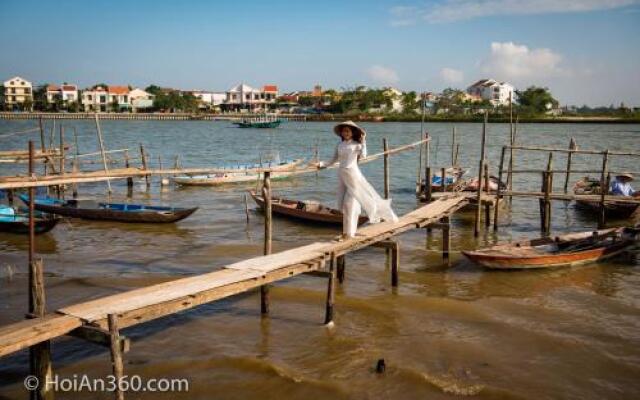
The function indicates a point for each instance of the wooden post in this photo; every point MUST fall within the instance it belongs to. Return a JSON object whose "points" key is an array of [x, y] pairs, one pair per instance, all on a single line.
{"points": [[446, 239], [62, 161], [496, 209], [453, 146], [116, 354], [487, 205], [385, 147], [128, 165], [162, 182], [74, 168], [104, 155], [246, 207], [604, 189], [455, 162], [443, 179], [331, 291], [43, 147], [511, 142], [572, 146], [427, 185], [340, 266], [266, 195], [40, 354], [395, 263], [143, 158], [476, 226], [547, 189]]}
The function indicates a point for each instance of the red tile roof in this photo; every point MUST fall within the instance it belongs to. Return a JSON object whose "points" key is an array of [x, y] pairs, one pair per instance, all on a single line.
{"points": [[69, 87], [270, 88], [118, 89], [52, 88]]}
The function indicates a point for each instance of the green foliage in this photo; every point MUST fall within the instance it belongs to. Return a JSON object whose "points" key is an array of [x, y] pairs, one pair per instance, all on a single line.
{"points": [[174, 101], [104, 85], [115, 107], [73, 106], [410, 102], [153, 89], [358, 100], [535, 100]]}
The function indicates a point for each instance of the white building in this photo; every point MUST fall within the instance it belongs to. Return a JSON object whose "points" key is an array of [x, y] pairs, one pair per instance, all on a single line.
{"points": [[140, 99], [95, 99], [245, 97], [395, 96], [65, 93], [209, 100], [17, 91], [498, 93]]}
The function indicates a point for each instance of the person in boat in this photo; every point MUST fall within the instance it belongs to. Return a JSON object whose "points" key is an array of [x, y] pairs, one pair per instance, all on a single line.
{"points": [[621, 186], [354, 192]]}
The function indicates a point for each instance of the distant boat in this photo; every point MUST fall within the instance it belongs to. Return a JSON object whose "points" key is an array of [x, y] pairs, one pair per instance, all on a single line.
{"points": [[568, 250], [238, 175], [452, 179], [90, 209], [258, 124], [304, 210], [613, 209], [13, 222]]}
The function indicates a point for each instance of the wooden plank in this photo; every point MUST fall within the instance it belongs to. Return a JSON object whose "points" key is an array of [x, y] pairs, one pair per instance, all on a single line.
{"points": [[23, 334], [282, 259]]}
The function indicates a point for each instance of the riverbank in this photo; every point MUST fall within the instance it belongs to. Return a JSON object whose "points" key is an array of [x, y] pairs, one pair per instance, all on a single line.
{"points": [[315, 117]]}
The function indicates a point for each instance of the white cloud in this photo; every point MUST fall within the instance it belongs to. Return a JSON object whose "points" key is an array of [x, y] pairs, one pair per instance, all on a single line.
{"points": [[510, 61], [383, 75], [451, 75], [403, 15], [460, 10]]}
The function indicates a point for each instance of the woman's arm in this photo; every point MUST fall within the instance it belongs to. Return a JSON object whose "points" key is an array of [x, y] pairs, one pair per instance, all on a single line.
{"points": [[330, 162], [363, 150]]}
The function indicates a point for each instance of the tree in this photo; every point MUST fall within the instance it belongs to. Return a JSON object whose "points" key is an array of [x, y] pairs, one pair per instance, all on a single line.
{"points": [[115, 107], [153, 89], [73, 106], [40, 97], [104, 85], [409, 102], [536, 100], [27, 105]]}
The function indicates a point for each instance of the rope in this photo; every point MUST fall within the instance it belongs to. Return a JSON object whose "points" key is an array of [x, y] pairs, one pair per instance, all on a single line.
{"points": [[3, 135]]}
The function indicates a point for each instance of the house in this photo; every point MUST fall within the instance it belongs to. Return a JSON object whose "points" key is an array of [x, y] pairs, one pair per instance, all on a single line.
{"points": [[140, 99], [498, 93], [395, 96], [63, 95], [18, 94], [208, 100], [119, 98], [95, 99], [244, 97]]}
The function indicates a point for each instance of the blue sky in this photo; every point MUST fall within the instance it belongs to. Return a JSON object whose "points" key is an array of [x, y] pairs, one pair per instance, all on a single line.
{"points": [[585, 51]]}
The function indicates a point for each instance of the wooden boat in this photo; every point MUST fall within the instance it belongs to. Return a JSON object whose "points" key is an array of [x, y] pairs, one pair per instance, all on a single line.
{"points": [[304, 210], [13, 222], [561, 251], [452, 177], [258, 124], [242, 175], [90, 209], [591, 186]]}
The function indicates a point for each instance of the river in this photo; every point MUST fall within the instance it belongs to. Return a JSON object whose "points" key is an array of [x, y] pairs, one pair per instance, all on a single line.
{"points": [[445, 332]]}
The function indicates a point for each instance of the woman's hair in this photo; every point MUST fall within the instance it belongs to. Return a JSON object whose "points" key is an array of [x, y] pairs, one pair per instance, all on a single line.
{"points": [[355, 133]]}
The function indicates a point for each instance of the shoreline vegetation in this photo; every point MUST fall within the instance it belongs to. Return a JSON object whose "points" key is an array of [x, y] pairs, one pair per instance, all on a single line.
{"points": [[324, 117]]}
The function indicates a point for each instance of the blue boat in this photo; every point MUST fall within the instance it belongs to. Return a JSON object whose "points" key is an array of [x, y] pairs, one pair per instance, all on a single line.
{"points": [[91, 209]]}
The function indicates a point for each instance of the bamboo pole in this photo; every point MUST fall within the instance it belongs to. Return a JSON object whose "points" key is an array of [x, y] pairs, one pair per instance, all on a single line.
{"points": [[572, 146], [143, 160], [487, 205], [117, 364], [246, 207], [511, 142], [446, 239], [340, 268], [604, 189], [331, 291], [395, 263], [385, 147], [266, 195], [104, 156], [476, 225], [40, 354], [455, 162], [127, 165], [496, 209], [547, 186], [62, 161], [428, 189]]}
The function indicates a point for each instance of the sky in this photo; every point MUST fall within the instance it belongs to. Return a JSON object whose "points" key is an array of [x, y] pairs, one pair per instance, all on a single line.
{"points": [[584, 51]]}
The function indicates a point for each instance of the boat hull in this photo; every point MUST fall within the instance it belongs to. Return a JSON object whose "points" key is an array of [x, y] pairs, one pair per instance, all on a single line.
{"points": [[288, 209], [41, 225], [495, 257]]}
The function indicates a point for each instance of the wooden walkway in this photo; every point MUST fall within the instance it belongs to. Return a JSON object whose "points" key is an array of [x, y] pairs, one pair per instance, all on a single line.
{"points": [[89, 320]]}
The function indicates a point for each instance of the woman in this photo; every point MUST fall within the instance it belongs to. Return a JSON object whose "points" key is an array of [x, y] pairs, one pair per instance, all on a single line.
{"points": [[354, 192]]}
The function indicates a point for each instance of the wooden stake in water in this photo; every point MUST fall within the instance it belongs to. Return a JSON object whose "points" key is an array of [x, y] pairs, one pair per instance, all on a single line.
{"points": [[496, 209], [604, 189], [572, 146], [385, 147], [102, 151], [476, 226], [266, 195], [117, 364], [453, 146]]}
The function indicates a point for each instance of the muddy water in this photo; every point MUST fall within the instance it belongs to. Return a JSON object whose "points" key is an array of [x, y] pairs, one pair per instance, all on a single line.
{"points": [[444, 333]]}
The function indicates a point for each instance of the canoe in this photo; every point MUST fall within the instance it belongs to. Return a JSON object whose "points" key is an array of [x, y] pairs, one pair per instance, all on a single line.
{"points": [[19, 223], [591, 186], [90, 209], [562, 251], [258, 124], [237, 175], [310, 211]]}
